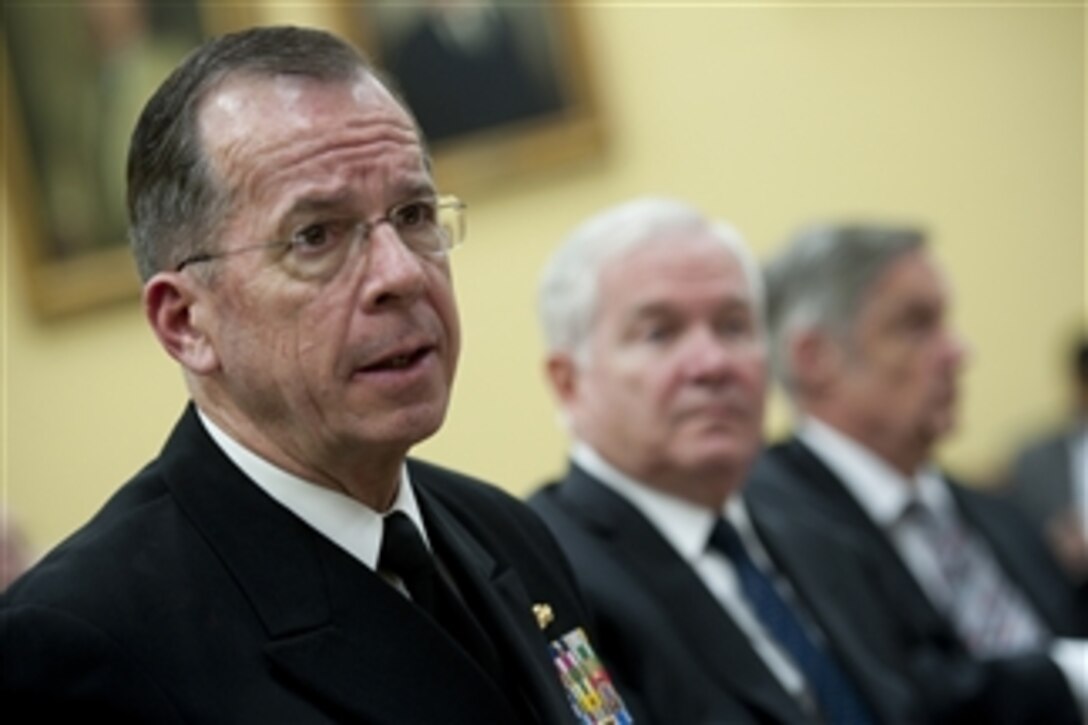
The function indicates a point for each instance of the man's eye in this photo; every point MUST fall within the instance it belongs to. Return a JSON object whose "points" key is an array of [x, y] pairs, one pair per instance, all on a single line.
{"points": [[415, 214], [735, 327], [320, 236], [658, 332]]}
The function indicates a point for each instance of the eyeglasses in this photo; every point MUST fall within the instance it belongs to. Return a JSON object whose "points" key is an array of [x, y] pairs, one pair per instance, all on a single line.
{"points": [[429, 227]]}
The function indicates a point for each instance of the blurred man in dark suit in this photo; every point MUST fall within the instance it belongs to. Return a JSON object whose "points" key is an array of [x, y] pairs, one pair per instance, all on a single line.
{"points": [[710, 608], [861, 341], [1049, 478]]}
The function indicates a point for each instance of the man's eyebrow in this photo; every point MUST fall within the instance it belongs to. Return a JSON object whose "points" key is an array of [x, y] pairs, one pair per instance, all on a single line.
{"points": [[738, 303], [318, 202], [343, 199], [650, 310], [658, 308], [418, 188]]}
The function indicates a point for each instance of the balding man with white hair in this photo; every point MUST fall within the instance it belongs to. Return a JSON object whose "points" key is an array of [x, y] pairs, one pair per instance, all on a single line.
{"points": [[708, 610]]}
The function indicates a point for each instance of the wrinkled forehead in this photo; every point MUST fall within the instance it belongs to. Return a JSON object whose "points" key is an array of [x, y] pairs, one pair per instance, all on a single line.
{"points": [[249, 112]]}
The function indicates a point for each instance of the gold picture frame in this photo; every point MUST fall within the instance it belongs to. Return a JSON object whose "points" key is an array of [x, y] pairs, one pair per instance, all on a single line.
{"points": [[490, 128], [76, 259], [75, 76]]}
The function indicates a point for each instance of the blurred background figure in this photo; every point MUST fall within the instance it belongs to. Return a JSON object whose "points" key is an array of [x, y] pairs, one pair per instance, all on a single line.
{"points": [[1048, 479], [859, 318], [711, 608]]}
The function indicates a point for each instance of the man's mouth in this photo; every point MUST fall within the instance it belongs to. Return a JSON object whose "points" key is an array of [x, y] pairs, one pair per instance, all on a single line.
{"points": [[400, 360]]}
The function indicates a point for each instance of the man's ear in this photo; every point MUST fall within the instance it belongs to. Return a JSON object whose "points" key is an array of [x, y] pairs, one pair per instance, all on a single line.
{"points": [[176, 306], [816, 360], [563, 375]]}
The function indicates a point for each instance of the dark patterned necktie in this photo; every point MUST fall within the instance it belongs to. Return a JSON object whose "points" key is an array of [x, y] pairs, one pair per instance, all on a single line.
{"points": [[838, 700]]}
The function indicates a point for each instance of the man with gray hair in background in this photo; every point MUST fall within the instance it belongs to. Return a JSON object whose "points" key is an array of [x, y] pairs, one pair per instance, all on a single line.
{"points": [[708, 608], [858, 317]]}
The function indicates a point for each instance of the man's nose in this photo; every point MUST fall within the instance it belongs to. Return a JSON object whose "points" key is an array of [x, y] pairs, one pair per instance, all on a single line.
{"points": [[708, 358], [394, 273]]}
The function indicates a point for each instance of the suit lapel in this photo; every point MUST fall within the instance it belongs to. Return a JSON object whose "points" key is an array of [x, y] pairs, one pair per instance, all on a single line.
{"points": [[823, 490], [332, 628], [696, 616], [834, 591], [1021, 557], [501, 603], [377, 637], [798, 479]]}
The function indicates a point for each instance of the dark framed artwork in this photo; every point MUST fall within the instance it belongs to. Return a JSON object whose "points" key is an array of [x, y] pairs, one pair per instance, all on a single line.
{"points": [[500, 89], [75, 76]]}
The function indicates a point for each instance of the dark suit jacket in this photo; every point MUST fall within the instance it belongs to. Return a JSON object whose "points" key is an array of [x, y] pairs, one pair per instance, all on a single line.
{"points": [[667, 639], [194, 597], [956, 686]]}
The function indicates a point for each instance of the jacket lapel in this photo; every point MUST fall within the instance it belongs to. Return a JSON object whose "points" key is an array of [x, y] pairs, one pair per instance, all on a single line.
{"points": [[821, 489], [796, 478], [698, 617], [831, 582], [411, 669], [501, 603], [1022, 557], [332, 627]]}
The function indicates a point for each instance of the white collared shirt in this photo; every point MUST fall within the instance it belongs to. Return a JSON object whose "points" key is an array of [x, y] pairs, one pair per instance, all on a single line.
{"points": [[351, 525], [686, 527], [884, 493]]}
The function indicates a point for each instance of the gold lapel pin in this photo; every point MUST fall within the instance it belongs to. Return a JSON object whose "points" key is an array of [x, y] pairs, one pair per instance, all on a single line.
{"points": [[544, 614]]}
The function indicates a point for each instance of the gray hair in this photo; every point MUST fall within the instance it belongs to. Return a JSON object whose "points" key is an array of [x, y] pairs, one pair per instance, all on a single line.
{"points": [[821, 278], [567, 299], [176, 200]]}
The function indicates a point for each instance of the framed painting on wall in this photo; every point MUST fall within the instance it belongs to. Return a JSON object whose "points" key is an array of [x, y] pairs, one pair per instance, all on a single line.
{"points": [[500, 89], [74, 79]]}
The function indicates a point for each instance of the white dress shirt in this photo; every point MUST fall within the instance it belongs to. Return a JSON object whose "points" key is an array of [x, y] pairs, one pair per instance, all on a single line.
{"points": [[351, 525], [686, 527], [884, 493]]}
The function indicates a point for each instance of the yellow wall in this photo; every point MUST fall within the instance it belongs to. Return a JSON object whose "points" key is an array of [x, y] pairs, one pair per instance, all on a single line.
{"points": [[970, 120]]}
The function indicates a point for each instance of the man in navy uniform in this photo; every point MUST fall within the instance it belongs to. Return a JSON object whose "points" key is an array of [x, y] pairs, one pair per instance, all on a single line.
{"points": [[281, 560]]}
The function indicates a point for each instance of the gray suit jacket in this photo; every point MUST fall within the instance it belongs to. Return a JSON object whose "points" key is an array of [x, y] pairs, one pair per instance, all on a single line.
{"points": [[668, 640]]}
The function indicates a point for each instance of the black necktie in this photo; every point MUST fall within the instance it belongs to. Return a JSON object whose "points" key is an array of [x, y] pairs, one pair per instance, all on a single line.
{"points": [[838, 700], [404, 554]]}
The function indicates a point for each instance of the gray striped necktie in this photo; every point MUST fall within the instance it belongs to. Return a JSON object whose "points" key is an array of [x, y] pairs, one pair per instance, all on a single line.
{"points": [[991, 615]]}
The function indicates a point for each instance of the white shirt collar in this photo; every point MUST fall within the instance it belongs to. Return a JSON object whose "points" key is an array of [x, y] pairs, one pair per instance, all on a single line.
{"points": [[685, 525], [881, 490], [351, 525]]}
